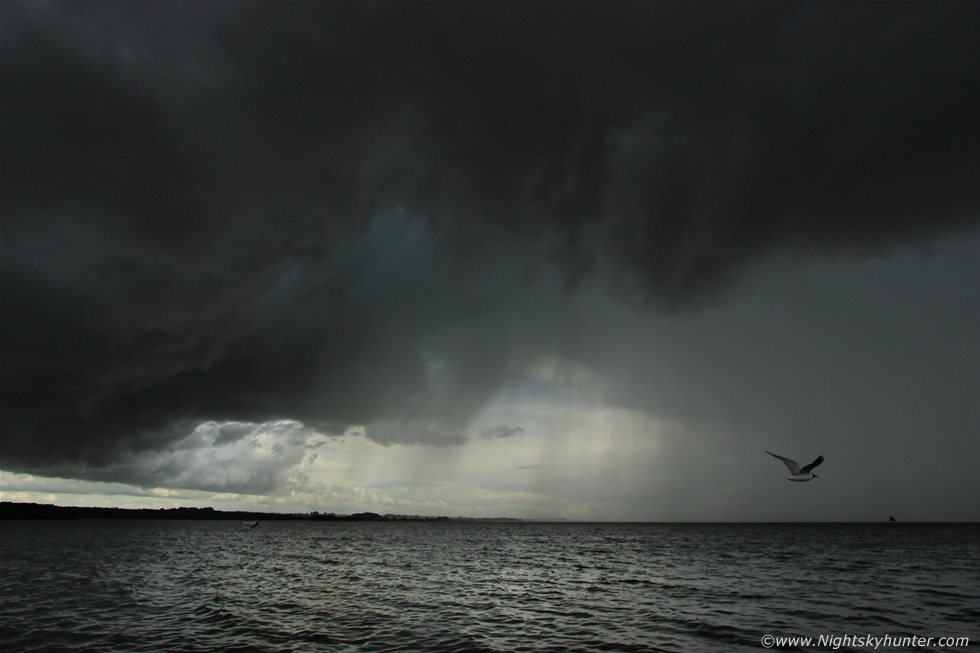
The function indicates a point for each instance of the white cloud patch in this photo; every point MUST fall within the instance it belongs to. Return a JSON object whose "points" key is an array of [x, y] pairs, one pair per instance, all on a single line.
{"points": [[233, 457]]}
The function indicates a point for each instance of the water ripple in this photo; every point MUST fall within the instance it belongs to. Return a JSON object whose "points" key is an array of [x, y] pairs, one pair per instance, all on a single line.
{"points": [[109, 586]]}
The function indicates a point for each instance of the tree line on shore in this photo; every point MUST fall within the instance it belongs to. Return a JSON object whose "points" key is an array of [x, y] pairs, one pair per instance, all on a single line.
{"points": [[15, 510]]}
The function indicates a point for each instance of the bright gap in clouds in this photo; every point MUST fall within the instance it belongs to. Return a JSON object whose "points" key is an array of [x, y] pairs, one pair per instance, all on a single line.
{"points": [[536, 451]]}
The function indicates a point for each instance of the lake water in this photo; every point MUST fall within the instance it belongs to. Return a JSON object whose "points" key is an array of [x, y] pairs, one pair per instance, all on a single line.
{"points": [[106, 585]]}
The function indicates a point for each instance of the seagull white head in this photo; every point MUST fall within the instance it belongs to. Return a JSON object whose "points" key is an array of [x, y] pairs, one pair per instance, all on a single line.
{"points": [[799, 475]]}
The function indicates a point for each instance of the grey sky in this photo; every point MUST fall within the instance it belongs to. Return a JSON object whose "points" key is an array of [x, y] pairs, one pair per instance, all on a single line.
{"points": [[586, 259]]}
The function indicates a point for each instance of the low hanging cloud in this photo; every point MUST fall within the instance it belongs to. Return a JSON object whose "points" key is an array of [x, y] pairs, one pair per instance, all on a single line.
{"points": [[389, 432], [359, 214], [236, 457], [499, 431]]}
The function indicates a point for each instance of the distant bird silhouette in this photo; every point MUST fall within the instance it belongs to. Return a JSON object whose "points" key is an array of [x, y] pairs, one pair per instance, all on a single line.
{"points": [[890, 518], [255, 524], [799, 475]]}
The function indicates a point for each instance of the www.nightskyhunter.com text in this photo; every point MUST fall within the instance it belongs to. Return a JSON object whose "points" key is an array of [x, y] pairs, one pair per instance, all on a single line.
{"points": [[875, 642]]}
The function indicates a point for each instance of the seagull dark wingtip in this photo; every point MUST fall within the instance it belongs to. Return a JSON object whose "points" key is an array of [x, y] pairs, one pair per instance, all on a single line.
{"points": [[813, 465]]}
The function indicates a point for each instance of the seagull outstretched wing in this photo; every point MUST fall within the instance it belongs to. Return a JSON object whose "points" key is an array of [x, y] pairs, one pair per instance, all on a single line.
{"points": [[816, 463], [794, 468]]}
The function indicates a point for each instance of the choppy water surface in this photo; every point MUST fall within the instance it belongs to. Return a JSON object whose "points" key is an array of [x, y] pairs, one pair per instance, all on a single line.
{"points": [[102, 585]]}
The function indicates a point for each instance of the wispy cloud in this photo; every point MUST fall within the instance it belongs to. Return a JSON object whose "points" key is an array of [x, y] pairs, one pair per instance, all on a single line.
{"points": [[499, 431]]}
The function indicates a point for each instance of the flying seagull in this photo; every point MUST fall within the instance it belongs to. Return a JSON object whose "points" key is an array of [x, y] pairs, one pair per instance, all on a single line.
{"points": [[799, 475]]}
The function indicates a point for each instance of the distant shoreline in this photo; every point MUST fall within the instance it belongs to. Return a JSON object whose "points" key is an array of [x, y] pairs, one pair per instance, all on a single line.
{"points": [[11, 510], [14, 510]]}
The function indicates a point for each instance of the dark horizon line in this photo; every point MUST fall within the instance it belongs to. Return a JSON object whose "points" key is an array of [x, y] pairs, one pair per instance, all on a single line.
{"points": [[13, 510], [30, 510]]}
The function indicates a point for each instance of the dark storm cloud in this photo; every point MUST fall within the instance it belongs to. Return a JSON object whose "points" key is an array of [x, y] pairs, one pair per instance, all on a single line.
{"points": [[326, 211]]}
